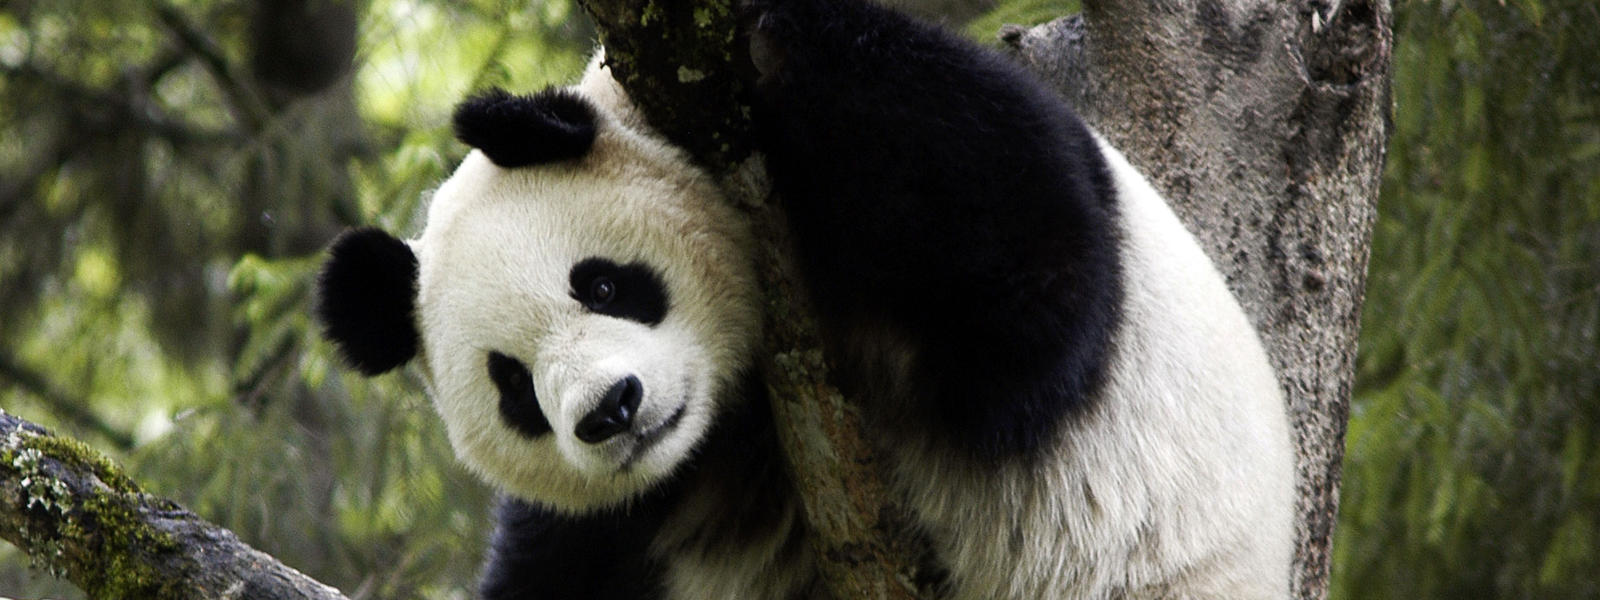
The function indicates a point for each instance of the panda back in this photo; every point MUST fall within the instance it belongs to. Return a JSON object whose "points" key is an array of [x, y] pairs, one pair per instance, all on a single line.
{"points": [[1190, 365], [1186, 467]]}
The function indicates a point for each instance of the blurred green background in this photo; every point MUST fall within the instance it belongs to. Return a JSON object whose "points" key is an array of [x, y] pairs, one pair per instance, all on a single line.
{"points": [[169, 171]]}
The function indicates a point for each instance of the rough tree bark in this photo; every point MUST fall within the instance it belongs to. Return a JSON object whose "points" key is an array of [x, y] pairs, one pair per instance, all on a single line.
{"points": [[1265, 124], [78, 516]]}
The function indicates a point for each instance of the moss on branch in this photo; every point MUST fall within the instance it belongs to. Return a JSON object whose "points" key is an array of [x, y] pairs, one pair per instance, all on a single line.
{"points": [[79, 517]]}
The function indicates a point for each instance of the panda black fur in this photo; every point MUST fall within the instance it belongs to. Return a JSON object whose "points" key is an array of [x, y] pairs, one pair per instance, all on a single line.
{"points": [[1067, 397]]}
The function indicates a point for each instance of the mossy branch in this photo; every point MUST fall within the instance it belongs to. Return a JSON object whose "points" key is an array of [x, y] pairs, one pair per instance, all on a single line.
{"points": [[78, 516]]}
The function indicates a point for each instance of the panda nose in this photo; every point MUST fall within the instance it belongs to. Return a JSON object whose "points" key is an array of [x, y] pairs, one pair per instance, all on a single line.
{"points": [[614, 414]]}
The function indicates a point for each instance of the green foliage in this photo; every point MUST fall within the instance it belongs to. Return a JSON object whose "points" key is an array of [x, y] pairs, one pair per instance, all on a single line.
{"points": [[986, 28], [1473, 466], [162, 213]]}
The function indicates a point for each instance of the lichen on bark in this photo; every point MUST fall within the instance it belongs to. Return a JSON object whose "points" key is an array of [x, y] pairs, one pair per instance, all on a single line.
{"points": [[681, 65], [78, 516]]}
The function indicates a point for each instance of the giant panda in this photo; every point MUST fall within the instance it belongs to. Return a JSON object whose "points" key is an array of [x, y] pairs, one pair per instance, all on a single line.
{"points": [[1067, 398]]}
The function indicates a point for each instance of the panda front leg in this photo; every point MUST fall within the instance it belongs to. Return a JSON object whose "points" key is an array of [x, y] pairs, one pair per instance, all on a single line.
{"points": [[537, 553], [950, 215]]}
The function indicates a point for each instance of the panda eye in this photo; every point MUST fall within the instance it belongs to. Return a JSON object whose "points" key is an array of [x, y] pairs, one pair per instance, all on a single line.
{"points": [[602, 291], [519, 405], [597, 284]]}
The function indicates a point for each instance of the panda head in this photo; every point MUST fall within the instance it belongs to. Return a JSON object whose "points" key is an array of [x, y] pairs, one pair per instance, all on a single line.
{"points": [[581, 298]]}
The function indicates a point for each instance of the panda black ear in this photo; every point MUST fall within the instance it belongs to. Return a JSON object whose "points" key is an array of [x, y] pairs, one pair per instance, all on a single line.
{"points": [[366, 300], [517, 131]]}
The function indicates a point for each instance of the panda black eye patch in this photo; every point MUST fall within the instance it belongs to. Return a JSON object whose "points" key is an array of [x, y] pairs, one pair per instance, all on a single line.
{"points": [[632, 291], [519, 404]]}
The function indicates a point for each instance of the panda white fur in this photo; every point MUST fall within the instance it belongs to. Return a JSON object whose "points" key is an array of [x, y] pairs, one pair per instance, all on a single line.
{"points": [[1067, 396]]}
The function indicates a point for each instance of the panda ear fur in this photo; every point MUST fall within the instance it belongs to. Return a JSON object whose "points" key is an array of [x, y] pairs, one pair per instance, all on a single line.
{"points": [[518, 131], [366, 300]]}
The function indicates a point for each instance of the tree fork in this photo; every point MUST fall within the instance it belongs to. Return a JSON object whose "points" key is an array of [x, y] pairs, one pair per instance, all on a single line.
{"points": [[1269, 122]]}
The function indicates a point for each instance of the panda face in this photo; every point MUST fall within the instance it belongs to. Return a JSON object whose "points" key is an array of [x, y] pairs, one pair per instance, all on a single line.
{"points": [[581, 298], [581, 320]]}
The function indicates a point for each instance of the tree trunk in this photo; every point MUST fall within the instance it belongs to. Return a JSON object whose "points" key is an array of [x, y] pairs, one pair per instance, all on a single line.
{"points": [[77, 515], [1264, 124]]}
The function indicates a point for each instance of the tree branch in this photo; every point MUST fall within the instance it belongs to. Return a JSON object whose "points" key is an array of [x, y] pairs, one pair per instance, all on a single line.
{"points": [[77, 515], [247, 102], [110, 111]]}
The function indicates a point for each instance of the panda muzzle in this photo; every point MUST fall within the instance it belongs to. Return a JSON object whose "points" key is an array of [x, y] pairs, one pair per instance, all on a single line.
{"points": [[615, 413]]}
